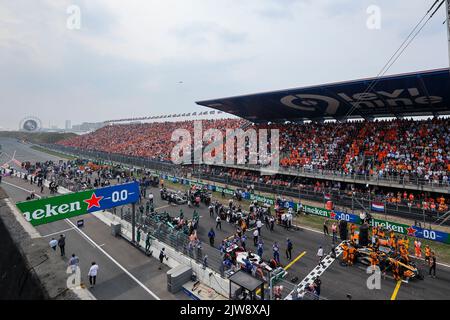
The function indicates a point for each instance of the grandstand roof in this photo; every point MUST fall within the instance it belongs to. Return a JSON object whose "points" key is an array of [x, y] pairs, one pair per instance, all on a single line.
{"points": [[411, 94]]}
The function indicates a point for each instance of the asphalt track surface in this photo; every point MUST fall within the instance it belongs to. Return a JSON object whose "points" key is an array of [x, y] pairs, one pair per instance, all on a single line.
{"points": [[141, 281], [113, 283]]}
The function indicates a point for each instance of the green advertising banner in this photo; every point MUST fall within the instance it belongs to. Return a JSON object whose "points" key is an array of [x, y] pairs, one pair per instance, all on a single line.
{"points": [[270, 201], [51, 209], [226, 191]]}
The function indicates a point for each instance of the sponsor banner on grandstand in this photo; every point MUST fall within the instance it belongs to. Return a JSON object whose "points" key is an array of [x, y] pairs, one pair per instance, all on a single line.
{"points": [[377, 206], [51, 209], [263, 199]]}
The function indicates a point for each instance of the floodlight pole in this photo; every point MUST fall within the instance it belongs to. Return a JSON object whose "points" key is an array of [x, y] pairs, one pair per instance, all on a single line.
{"points": [[133, 223], [447, 10]]}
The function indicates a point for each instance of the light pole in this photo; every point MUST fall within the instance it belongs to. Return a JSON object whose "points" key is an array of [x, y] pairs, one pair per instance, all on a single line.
{"points": [[447, 10]]}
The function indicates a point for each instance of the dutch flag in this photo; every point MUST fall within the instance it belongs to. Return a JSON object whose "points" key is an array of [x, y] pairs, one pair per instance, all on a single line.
{"points": [[378, 206]]}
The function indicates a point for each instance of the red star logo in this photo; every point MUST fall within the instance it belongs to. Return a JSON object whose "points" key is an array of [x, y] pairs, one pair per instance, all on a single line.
{"points": [[411, 231], [94, 201], [332, 215]]}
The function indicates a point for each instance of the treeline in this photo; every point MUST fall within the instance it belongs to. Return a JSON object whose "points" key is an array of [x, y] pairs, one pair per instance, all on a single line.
{"points": [[37, 137]]}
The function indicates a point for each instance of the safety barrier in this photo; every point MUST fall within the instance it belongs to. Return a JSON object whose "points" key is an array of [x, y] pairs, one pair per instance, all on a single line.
{"points": [[411, 230]]}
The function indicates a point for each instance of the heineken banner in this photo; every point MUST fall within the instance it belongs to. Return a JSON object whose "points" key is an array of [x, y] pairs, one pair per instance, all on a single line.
{"points": [[412, 231], [51, 209]]}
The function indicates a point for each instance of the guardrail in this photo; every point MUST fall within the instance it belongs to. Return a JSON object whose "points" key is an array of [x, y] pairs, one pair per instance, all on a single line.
{"points": [[423, 216]]}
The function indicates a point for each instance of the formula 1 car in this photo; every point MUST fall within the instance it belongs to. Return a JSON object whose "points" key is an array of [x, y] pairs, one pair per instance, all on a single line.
{"points": [[386, 258], [178, 198]]}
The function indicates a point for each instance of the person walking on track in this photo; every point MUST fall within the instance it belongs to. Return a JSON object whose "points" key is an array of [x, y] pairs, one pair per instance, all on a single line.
{"points": [[93, 270]]}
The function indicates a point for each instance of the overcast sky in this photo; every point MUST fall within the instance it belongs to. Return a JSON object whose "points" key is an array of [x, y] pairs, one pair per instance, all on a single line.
{"points": [[128, 57]]}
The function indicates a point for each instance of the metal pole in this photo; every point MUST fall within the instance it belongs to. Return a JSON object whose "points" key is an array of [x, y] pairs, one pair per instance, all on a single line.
{"points": [[447, 9], [133, 223], [270, 286]]}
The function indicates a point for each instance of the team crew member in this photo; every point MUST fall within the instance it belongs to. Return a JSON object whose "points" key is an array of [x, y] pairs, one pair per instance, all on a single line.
{"points": [[289, 247], [381, 233], [276, 252], [404, 254], [374, 259], [93, 270], [255, 237], [73, 263], [418, 248], [352, 229], [427, 253], [53, 244], [62, 245], [320, 255], [334, 231], [162, 255], [374, 232], [345, 250], [351, 255], [406, 243], [325, 227], [432, 264], [399, 245], [392, 239], [218, 223], [396, 270]]}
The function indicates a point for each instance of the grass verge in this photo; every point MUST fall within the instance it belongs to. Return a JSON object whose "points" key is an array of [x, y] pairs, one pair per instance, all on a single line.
{"points": [[53, 153]]}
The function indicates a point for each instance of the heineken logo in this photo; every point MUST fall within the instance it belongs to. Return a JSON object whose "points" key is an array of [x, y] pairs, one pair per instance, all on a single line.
{"points": [[316, 211], [93, 201], [396, 227], [51, 209]]}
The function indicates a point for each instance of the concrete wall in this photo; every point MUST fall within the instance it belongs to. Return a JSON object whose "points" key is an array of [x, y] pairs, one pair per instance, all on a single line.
{"points": [[27, 271], [207, 276]]}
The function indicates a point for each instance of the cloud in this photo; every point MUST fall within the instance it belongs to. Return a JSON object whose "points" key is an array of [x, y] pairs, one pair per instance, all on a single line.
{"points": [[128, 57]]}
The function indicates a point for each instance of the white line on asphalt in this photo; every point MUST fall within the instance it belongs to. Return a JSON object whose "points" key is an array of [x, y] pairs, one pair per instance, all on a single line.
{"points": [[99, 248], [118, 264], [59, 232], [163, 207]]}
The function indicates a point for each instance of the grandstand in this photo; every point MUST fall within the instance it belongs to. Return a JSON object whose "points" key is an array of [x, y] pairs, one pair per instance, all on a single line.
{"points": [[398, 161]]}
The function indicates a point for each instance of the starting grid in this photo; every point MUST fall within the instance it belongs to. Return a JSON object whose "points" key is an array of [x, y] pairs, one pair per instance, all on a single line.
{"points": [[316, 272]]}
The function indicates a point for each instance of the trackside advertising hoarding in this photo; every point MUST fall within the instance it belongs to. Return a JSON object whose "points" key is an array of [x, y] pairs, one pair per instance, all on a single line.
{"points": [[56, 208], [404, 229], [412, 231]]}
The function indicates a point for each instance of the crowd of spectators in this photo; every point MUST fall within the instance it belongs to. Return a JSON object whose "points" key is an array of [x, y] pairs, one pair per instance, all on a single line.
{"points": [[149, 140], [406, 150], [400, 148]]}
